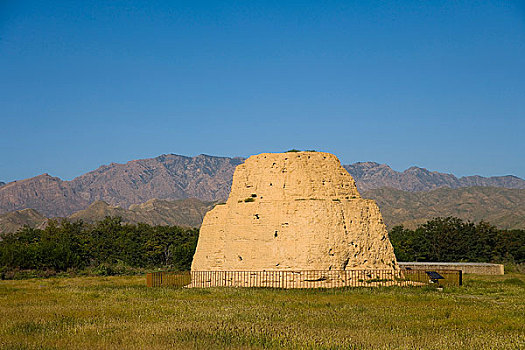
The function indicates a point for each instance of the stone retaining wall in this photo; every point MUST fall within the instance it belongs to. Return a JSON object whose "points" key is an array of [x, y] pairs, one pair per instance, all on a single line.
{"points": [[476, 268]]}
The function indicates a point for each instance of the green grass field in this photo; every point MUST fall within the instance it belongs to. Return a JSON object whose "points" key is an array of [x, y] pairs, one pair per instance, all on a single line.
{"points": [[120, 312]]}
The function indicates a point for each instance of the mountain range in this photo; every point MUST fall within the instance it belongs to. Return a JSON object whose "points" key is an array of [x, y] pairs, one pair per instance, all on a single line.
{"points": [[502, 207], [371, 175], [204, 177], [207, 178], [167, 177]]}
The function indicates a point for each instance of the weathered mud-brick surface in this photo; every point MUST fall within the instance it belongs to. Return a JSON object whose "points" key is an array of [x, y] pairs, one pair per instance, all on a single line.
{"points": [[293, 211]]}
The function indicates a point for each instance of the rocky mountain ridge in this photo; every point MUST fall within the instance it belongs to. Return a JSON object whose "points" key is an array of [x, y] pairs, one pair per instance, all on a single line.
{"points": [[371, 175], [502, 207], [168, 177], [208, 178]]}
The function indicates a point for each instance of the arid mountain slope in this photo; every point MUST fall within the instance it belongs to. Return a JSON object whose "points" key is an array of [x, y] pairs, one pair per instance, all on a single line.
{"points": [[371, 175], [184, 212], [10, 222], [207, 178], [502, 207], [167, 177], [48, 195]]}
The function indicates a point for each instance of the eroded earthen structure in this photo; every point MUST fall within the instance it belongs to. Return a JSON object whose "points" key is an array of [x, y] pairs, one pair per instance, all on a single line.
{"points": [[293, 211]]}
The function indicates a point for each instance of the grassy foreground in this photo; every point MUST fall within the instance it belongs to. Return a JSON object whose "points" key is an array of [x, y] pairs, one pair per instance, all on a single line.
{"points": [[120, 312]]}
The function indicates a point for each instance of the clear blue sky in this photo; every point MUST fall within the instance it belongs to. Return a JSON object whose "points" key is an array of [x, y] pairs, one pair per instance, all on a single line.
{"points": [[437, 84]]}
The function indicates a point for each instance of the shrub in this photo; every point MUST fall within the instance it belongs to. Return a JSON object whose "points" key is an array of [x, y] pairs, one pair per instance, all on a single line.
{"points": [[105, 248]]}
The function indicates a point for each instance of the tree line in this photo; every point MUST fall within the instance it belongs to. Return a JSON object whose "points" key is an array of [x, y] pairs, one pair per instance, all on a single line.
{"points": [[112, 247], [452, 239], [107, 247]]}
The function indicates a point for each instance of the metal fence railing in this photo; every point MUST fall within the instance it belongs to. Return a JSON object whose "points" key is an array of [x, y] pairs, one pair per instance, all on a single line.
{"points": [[168, 279], [302, 279]]}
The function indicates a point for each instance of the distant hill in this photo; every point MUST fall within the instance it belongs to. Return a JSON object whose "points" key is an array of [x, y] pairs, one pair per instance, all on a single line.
{"points": [[172, 177], [185, 212], [371, 175], [504, 208], [10, 222]]}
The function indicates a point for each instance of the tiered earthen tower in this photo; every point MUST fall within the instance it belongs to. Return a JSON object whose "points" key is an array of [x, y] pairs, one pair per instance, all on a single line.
{"points": [[293, 211]]}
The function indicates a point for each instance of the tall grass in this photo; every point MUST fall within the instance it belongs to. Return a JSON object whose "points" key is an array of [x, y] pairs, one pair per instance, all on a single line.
{"points": [[120, 312]]}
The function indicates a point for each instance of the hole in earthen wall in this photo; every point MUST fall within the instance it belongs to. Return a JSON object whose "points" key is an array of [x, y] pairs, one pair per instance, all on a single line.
{"points": [[257, 216], [240, 258]]}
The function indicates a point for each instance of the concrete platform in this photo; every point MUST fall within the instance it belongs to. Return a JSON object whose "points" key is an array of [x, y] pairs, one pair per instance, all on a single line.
{"points": [[477, 268]]}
